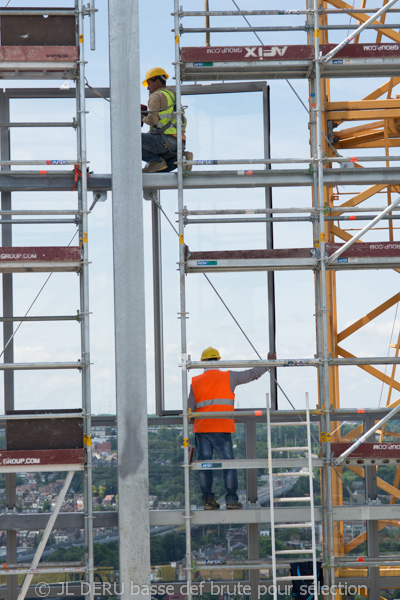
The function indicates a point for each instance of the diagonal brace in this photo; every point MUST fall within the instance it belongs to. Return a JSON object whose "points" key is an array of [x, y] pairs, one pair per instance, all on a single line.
{"points": [[46, 534], [350, 37], [351, 241]]}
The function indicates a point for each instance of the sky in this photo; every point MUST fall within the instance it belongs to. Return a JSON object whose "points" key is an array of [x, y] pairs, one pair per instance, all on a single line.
{"points": [[229, 126]]}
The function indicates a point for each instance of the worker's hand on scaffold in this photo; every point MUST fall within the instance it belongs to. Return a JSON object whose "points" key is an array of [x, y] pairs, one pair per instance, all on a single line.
{"points": [[271, 356]]}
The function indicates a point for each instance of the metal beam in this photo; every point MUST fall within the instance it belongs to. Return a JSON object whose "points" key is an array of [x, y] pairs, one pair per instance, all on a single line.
{"points": [[64, 181], [31, 521], [158, 304]]}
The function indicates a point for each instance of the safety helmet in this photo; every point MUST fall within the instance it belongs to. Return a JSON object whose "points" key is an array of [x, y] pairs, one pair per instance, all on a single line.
{"points": [[156, 71], [210, 354]]}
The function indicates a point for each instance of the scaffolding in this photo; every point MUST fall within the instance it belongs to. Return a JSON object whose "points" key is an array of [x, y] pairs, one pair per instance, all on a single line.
{"points": [[44, 44], [317, 60]]}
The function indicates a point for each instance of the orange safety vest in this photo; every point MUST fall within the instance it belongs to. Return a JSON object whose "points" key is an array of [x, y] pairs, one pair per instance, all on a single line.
{"points": [[212, 393]]}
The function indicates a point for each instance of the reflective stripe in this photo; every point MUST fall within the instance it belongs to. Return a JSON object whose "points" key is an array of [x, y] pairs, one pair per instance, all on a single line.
{"points": [[215, 402]]}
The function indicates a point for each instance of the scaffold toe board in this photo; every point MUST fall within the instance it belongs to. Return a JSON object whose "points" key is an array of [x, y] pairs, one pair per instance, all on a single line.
{"points": [[14, 461], [281, 62], [38, 62], [358, 256], [369, 450], [251, 260], [38, 259]]}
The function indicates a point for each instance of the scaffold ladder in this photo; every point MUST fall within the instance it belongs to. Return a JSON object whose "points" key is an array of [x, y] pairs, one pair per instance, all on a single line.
{"points": [[310, 524]]}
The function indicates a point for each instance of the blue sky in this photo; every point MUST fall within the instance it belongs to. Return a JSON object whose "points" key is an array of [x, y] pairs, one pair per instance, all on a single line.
{"points": [[228, 126]]}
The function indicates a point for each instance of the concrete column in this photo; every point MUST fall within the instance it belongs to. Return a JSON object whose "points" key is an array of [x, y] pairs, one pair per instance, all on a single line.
{"points": [[130, 338]]}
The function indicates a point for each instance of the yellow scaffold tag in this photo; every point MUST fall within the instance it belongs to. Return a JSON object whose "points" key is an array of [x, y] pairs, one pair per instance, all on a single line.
{"points": [[87, 440], [316, 33], [81, 38], [181, 238], [177, 39], [325, 436], [185, 442], [322, 237], [84, 238]]}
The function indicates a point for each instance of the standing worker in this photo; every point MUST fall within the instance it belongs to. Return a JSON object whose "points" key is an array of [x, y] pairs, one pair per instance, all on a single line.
{"points": [[159, 145], [213, 391]]}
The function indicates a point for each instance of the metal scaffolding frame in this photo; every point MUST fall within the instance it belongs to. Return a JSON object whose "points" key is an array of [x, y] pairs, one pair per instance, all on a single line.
{"points": [[75, 259], [317, 67]]}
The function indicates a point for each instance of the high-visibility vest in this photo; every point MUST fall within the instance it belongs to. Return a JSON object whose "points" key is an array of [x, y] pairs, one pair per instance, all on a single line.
{"points": [[167, 122], [212, 393]]}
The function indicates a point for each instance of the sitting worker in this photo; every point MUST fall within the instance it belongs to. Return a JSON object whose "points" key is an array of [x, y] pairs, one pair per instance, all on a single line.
{"points": [[160, 144], [214, 391]]}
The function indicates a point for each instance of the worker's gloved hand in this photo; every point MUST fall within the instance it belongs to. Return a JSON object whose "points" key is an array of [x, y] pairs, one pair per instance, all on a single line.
{"points": [[271, 356], [143, 113]]}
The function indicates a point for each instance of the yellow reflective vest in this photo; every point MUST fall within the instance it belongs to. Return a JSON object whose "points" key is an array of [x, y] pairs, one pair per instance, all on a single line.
{"points": [[167, 122]]}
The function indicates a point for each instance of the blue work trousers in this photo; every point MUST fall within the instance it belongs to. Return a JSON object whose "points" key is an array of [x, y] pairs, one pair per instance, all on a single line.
{"points": [[222, 444], [158, 146]]}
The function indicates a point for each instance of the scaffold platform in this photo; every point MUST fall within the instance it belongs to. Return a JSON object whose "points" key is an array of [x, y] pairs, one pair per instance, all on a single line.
{"points": [[358, 256], [282, 62]]}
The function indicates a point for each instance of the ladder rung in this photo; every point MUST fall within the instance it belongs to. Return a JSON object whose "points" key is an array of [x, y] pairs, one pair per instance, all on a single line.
{"points": [[292, 525], [309, 551], [295, 577], [291, 474], [294, 499], [288, 424], [286, 448], [39, 124]]}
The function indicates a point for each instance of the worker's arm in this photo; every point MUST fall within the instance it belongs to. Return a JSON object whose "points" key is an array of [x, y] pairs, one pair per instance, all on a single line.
{"points": [[157, 102], [191, 402], [241, 377]]}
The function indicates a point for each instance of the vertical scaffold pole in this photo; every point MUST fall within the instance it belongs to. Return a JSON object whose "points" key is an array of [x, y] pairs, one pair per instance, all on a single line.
{"points": [[271, 501], [84, 298], [317, 279], [207, 22], [183, 313], [323, 302], [129, 301], [8, 340], [270, 244]]}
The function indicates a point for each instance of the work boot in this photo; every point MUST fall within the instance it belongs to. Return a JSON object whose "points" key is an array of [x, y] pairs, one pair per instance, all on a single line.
{"points": [[187, 156], [234, 505], [211, 503], [155, 167]]}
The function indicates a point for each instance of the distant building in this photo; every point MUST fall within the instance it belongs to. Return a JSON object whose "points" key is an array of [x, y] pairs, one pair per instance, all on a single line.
{"points": [[102, 447], [109, 499]]}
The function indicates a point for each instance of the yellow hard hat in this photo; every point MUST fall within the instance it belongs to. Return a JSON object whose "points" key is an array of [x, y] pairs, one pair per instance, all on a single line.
{"points": [[210, 354], [153, 73]]}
